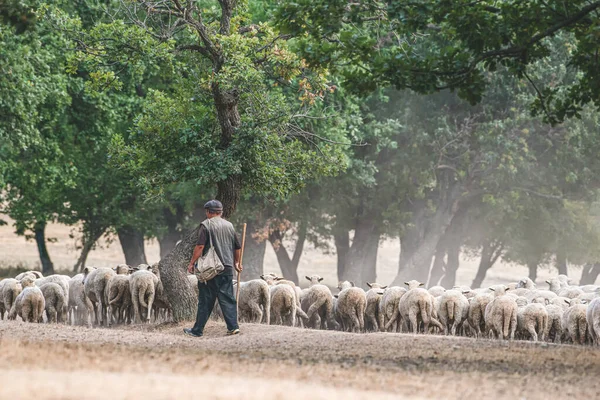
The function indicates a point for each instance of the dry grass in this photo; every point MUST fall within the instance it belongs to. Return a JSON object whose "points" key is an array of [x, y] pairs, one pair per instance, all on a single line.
{"points": [[270, 362]]}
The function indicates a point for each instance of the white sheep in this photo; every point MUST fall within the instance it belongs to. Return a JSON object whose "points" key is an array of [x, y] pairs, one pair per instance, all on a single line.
{"points": [[80, 306], [318, 303], [526, 283], [142, 285], [436, 291], [574, 322], [118, 295], [283, 304], [476, 313], [416, 307], [351, 306], [29, 305], [389, 316], [374, 295], [593, 321], [501, 314], [453, 310], [55, 302], [9, 290], [533, 319], [255, 301], [95, 281]]}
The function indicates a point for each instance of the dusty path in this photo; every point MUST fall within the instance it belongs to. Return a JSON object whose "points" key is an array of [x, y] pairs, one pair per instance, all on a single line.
{"points": [[267, 362]]}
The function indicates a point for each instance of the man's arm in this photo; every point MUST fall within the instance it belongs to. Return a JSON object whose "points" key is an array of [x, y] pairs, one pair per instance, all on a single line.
{"points": [[197, 254], [236, 257]]}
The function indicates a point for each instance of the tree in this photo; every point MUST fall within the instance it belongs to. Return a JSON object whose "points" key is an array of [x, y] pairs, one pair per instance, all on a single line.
{"points": [[432, 45]]}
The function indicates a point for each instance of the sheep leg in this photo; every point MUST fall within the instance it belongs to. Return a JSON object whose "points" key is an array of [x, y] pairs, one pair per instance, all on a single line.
{"points": [[412, 317], [373, 321]]}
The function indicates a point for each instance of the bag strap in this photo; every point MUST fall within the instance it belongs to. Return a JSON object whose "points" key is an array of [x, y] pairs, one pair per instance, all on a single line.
{"points": [[209, 234]]}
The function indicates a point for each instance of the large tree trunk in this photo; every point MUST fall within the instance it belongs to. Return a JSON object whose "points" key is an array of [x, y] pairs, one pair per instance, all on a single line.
{"points": [[533, 266], [289, 266], [454, 243], [561, 263], [88, 246], [342, 247], [174, 278], [362, 256], [590, 274], [132, 243], [254, 253], [40, 240], [490, 253]]}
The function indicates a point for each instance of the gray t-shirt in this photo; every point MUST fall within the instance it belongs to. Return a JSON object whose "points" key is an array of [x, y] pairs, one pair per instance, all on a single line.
{"points": [[224, 239]]}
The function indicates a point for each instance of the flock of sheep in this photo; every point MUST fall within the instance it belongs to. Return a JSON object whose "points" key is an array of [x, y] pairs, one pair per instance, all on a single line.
{"points": [[124, 294], [563, 313]]}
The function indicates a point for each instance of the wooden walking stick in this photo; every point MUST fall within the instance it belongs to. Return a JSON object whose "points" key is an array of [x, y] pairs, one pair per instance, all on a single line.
{"points": [[237, 291]]}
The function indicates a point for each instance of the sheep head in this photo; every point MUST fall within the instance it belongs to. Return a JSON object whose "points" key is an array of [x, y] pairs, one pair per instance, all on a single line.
{"points": [[314, 279], [413, 284]]}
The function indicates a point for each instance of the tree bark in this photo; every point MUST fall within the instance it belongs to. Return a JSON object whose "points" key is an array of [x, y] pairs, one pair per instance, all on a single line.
{"points": [[533, 266], [490, 253], [228, 193], [361, 260], [40, 240], [254, 254], [590, 274], [132, 243], [561, 263], [453, 248], [174, 278], [289, 267], [342, 247]]}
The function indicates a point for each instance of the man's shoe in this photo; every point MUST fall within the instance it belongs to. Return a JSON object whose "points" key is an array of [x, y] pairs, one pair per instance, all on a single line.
{"points": [[189, 332], [233, 332]]}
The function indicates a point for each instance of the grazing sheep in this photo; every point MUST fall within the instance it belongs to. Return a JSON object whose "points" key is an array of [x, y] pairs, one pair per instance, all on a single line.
{"points": [[476, 313], [255, 301], [318, 301], [501, 314], [283, 304], [374, 296], [273, 279], [389, 315], [436, 291], [9, 290], [55, 302], [416, 306], [80, 306], [62, 281], [533, 319], [351, 305], [119, 298], [525, 283], [554, 330], [561, 302], [593, 321], [29, 305], [142, 285], [453, 310], [555, 285], [574, 322], [95, 281]]}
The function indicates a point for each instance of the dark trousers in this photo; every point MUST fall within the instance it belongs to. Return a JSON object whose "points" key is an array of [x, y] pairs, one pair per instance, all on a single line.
{"points": [[221, 288]]}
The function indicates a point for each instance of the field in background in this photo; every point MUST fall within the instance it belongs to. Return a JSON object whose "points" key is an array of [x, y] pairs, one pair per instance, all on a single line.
{"points": [[15, 250]]}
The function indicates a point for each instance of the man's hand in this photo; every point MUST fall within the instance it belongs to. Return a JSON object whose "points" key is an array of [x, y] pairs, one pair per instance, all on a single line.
{"points": [[239, 267], [190, 269]]}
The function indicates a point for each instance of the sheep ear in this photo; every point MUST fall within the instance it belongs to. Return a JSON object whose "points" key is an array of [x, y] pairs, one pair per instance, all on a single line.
{"points": [[320, 279], [567, 301], [548, 282], [384, 287], [368, 284], [406, 283], [308, 278], [492, 289], [336, 296], [466, 291], [262, 277], [352, 283], [421, 284]]}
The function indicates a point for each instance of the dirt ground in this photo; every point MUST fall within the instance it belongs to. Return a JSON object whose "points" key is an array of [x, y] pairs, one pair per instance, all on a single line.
{"points": [[271, 362]]}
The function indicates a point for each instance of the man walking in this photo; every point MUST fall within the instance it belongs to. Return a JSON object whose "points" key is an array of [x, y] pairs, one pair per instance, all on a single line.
{"points": [[227, 246]]}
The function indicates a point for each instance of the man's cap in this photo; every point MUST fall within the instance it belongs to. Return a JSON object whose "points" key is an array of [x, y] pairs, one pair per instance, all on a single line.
{"points": [[214, 206]]}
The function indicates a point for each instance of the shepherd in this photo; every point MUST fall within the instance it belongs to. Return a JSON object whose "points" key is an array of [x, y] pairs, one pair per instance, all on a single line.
{"points": [[214, 229]]}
